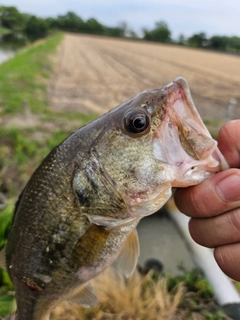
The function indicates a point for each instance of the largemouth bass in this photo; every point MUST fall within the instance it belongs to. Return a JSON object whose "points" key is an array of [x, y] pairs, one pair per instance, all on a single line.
{"points": [[79, 211]]}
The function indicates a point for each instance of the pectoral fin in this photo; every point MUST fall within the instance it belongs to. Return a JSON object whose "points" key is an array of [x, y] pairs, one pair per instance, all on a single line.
{"points": [[3, 262], [85, 296], [128, 257]]}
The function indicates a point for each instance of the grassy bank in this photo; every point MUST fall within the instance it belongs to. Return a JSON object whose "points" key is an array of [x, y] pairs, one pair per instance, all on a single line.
{"points": [[23, 78], [23, 89], [4, 31], [29, 129]]}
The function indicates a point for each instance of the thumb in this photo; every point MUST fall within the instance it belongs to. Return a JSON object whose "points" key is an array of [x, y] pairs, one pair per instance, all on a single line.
{"points": [[212, 197]]}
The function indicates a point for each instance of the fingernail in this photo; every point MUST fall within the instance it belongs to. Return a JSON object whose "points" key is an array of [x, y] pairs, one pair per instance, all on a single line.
{"points": [[229, 188]]}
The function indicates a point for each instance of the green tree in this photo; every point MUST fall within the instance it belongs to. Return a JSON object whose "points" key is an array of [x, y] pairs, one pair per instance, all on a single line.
{"points": [[234, 43], [161, 33], [11, 18], [198, 40], [71, 22], [36, 28], [94, 27], [113, 32], [52, 23], [219, 42]]}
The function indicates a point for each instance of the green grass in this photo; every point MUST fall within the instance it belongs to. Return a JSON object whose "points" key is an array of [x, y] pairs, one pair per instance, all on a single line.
{"points": [[213, 126], [23, 91], [22, 150], [4, 31], [5, 223], [23, 81], [199, 294], [23, 87], [7, 304], [22, 78], [7, 301]]}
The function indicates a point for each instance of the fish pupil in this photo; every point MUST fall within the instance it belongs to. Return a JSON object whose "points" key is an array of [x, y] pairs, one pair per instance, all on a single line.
{"points": [[139, 122], [136, 122]]}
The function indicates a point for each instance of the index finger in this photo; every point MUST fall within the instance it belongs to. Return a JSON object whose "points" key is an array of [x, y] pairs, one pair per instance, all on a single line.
{"points": [[229, 142]]}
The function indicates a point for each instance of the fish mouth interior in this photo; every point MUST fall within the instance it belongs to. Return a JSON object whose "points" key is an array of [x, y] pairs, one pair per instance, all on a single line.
{"points": [[205, 143], [182, 139]]}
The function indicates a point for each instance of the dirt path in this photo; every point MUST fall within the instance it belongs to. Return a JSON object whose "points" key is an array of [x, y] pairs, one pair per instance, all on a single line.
{"points": [[96, 74]]}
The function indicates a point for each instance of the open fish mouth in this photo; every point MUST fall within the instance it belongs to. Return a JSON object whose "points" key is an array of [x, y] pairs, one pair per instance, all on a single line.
{"points": [[183, 141]]}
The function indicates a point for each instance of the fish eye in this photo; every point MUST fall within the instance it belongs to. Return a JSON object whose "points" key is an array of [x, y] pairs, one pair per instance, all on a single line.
{"points": [[136, 121]]}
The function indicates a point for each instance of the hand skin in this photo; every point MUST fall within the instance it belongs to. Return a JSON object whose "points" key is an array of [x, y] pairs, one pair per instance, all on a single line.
{"points": [[214, 205]]}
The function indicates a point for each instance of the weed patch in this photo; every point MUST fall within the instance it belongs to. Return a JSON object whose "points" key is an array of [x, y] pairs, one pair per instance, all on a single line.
{"points": [[25, 75]]}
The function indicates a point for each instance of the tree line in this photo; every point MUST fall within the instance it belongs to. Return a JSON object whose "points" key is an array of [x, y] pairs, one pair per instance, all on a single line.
{"points": [[33, 27]]}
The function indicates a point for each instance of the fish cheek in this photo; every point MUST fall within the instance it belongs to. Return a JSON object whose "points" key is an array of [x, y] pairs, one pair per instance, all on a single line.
{"points": [[96, 190]]}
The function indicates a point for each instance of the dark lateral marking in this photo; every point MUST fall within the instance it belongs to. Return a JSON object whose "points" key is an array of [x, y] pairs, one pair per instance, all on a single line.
{"points": [[83, 197]]}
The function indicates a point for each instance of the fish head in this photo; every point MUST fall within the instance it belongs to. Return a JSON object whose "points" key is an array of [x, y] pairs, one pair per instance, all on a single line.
{"points": [[149, 144]]}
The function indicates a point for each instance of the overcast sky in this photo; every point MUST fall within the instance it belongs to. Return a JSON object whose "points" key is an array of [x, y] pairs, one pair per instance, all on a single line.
{"points": [[214, 17]]}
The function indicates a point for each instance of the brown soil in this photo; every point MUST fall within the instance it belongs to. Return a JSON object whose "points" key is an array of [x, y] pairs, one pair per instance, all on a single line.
{"points": [[97, 73]]}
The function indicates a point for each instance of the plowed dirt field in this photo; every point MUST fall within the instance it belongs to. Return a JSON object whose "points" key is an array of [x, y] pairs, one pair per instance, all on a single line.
{"points": [[97, 73]]}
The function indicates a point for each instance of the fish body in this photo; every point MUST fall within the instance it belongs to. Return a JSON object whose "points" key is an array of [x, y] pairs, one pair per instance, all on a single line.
{"points": [[79, 211]]}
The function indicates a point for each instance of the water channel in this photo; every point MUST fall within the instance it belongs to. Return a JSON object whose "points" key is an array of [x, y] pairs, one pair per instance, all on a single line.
{"points": [[6, 54]]}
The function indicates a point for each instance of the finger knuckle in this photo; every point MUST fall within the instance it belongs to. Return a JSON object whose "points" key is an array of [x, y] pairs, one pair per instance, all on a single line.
{"points": [[199, 204], [234, 219]]}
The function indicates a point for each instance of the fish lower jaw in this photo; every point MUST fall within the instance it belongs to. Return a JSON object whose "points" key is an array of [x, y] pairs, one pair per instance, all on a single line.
{"points": [[191, 179], [195, 173]]}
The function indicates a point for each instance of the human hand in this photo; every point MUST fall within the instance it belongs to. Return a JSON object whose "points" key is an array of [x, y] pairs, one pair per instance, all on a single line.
{"points": [[214, 205]]}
